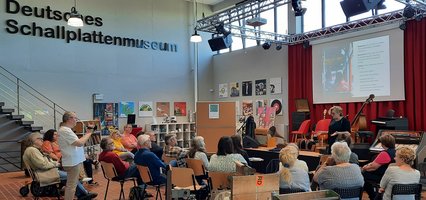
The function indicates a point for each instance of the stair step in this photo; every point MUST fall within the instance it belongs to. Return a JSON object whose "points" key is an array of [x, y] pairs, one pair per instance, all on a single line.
{"points": [[16, 117], [35, 128], [7, 110], [25, 123]]}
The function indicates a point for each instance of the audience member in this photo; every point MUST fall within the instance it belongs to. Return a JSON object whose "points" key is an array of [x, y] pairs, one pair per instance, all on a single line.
{"points": [[145, 157], [72, 151], [401, 173], [155, 148], [198, 150], [119, 149], [238, 148], [347, 138], [338, 125], [39, 162], [224, 159], [298, 163], [128, 140], [124, 169], [291, 176], [374, 171], [171, 150], [337, 172], [273, 134]]}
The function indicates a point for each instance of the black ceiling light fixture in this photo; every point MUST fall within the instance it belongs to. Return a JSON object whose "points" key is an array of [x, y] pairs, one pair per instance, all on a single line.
{"points": [[409, 11], [297, 7], [306, 44], [266, 45], [279, 46], [75, 19]]}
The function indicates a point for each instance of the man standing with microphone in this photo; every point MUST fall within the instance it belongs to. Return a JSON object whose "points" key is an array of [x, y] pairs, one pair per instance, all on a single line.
{"points": [[72, 153]]}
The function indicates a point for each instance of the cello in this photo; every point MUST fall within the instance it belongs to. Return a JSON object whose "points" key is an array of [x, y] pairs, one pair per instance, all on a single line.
{"points": [[360, 121]]}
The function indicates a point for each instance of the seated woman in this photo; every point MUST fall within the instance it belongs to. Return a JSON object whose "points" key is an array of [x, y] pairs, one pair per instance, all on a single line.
{"points": [[119, 149], [224, 159], [238, 148], [400, 173], [298, 163], [337, 172], [128, 140], [291, 176], [374, 171], [51, 147], [347, 138], [198, 150], [37, 161]]}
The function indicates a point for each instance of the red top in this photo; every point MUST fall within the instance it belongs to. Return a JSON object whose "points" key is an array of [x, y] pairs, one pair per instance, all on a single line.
{"points": [[111, 157], [383, 158], [52, 147]]}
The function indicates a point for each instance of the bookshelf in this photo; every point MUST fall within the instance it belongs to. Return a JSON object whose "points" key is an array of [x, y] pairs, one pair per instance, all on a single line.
{"points": [[184, 132]]}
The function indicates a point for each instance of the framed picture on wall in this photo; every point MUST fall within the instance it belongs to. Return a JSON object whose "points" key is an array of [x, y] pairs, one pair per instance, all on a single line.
{"points": [[247, 88], [260, 86], [127, 107], [163, 109], [180, 108], [223, 90], [234, 87], [145, 109], [275, 85]]}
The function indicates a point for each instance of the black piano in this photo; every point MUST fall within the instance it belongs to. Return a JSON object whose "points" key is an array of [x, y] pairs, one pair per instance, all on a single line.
{"points": [[391, 123]]}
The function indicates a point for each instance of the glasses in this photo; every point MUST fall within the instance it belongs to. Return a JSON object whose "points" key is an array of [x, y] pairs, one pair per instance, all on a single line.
{"points": [[39, 138], [76, 118]]}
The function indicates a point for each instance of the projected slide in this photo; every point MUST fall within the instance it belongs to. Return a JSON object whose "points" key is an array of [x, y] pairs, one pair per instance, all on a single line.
{"points": [[350, 70]]}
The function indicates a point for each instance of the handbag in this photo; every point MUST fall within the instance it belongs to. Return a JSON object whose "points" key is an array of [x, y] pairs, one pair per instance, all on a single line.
{"points": [[48, 177]]}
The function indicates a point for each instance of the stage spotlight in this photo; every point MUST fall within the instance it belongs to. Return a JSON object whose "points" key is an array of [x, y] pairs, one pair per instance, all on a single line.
{"points": [[266, 45], [306, 44], [279, 46], [409, 11], [297, 7], [419, 17]]}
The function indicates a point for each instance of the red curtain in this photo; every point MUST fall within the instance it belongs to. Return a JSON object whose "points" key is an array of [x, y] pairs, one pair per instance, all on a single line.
{"points": [[413, 108]]}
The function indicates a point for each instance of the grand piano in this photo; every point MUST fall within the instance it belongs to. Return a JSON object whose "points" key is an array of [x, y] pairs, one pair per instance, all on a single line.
{"points": [[412, 139], [391, 123]]}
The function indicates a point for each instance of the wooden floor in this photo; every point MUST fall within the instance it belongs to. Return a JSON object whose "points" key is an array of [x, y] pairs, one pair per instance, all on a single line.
{"points": [[11, 183]]}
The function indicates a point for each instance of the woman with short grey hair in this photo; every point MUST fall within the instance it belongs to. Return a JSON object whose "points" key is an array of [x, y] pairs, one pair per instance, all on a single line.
{"points": [[337, 172]]}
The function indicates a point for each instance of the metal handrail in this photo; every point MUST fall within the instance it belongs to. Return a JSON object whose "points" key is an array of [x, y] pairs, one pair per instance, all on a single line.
{"points": [[22, 86]]}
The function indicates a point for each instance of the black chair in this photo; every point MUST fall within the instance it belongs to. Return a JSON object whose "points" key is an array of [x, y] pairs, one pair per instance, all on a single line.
{"points": [[352, 192], [273, 166], [407, 189], [290, 190]]}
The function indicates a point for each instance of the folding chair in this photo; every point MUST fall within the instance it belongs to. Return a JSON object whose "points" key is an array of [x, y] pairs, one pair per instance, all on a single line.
{"points": [[35, 187], [184, 178], [147, 179], [110, 174], [353, 192], [407, 189]]}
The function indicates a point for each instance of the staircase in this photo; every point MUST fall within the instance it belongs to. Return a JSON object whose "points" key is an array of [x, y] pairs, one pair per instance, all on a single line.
{"points": [[22, 110]]}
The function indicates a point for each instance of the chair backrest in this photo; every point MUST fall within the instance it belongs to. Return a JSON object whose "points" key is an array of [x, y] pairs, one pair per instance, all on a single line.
{"points": [[353, 192], [220, 180], [322, 125], [108, 170], [144, 173], [304, 127], [196, 165], [273, 166], [167, 159], [182, 177], [407, 189], [30, 171], [290, 190]]}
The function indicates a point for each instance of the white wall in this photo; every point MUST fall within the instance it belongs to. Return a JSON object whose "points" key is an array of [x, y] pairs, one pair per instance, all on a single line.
{"points": [[252, 64], [70, 73]]}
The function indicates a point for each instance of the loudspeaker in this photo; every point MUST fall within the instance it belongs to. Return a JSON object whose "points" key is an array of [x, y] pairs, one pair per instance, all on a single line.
{"points": [[297, 118], [249, 142], [362, 150], [221, 42], [131, 118], [355, 7]]}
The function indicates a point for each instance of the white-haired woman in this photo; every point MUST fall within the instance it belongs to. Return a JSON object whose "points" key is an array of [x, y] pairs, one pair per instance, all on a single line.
{"points": [[337, 172], [291, 176], [198, 150], [400, 173]]}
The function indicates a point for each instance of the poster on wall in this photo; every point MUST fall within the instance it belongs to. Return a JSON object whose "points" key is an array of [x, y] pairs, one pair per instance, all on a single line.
{"points": [[180, 108], [275, 85], [234, 87], [266, 117], [223, 90], [260, 104], [127, 107], [247, 88], [277, 103], [145, 109], [107, 114], [247, 107], [260, 86], [213, 111], [163, 109]]}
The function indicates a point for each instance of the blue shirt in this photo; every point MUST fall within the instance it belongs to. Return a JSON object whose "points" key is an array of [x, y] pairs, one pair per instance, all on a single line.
{"points": [[145, 157]]}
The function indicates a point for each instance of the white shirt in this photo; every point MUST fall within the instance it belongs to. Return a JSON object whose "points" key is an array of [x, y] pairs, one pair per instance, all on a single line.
{"points": [[71, 155]]}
